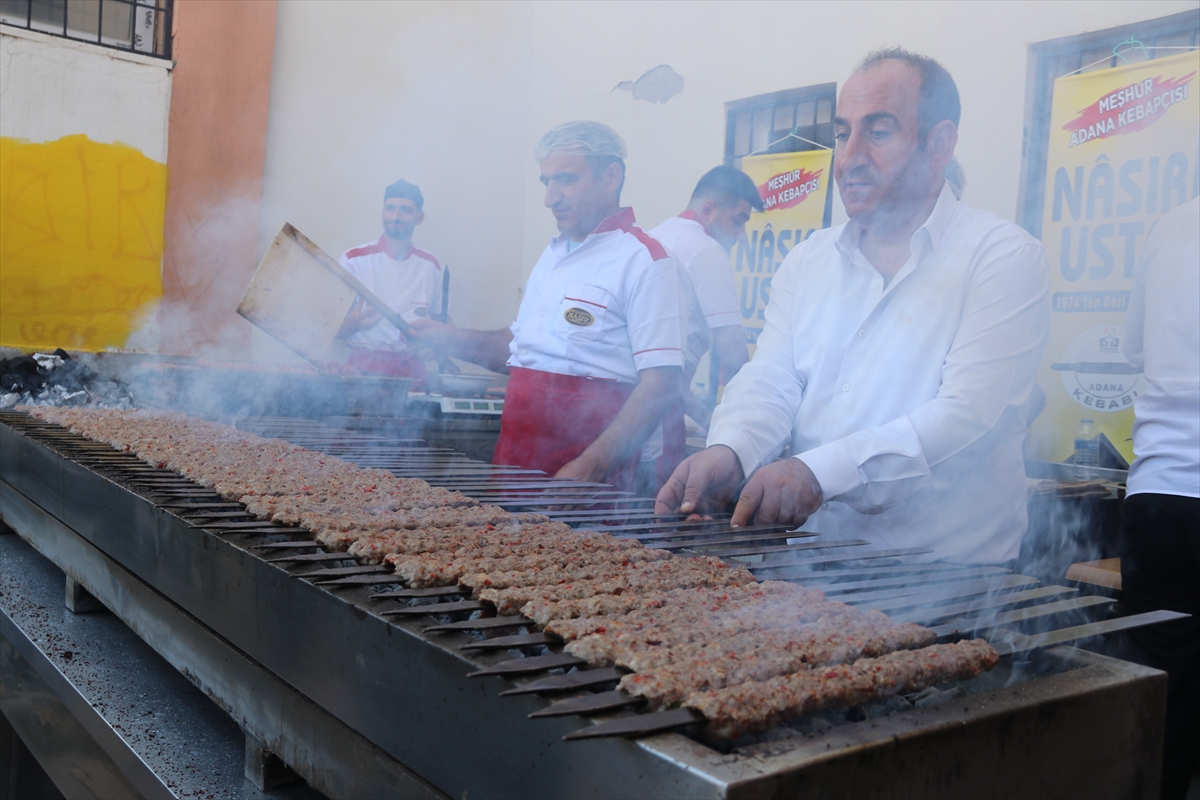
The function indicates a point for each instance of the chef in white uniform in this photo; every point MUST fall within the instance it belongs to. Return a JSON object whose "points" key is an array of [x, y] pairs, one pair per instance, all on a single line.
{"points": [[595, 355], [899, 352], [700, 239], [408, 279]]}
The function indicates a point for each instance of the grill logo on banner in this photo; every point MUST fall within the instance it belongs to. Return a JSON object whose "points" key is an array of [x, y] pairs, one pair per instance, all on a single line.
{"points": [[577, 316], [788, 189], [1129, 109]]}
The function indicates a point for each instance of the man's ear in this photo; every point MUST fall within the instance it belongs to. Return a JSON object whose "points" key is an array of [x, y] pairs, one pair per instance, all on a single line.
{"points": [[940, 143], [420, 217], [612, 176], [708, 209]]}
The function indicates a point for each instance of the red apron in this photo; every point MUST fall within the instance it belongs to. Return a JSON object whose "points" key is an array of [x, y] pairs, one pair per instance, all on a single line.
{"points": [[403, 364], [550, 419]]}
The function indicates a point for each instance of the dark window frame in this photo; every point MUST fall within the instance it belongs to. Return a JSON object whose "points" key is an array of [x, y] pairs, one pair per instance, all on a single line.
{"points": [[20, 14], [769, 106], [1055, 58]]}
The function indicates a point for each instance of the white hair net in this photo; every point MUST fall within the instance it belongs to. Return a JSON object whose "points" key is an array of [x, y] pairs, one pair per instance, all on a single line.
{"points": [[581, 138]]}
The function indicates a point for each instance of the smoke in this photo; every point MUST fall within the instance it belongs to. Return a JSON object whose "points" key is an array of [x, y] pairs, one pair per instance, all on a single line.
{"points": [[209, 262]]}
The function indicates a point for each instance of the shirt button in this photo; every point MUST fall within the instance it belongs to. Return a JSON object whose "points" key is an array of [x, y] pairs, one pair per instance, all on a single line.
{"points": [[524, 352], [874, 284], [862, 334], [541, 313], [845, 387]]}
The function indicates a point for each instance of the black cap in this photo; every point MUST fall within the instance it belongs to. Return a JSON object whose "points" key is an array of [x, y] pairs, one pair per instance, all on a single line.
{"points": [[405, 190]]}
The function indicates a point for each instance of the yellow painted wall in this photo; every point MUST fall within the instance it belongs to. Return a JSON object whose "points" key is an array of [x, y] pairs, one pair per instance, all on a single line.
{"points": [[81, 242]]}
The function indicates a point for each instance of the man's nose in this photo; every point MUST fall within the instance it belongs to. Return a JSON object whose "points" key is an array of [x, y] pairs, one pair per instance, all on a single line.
{"points": [[850, 153], [552, 196]]}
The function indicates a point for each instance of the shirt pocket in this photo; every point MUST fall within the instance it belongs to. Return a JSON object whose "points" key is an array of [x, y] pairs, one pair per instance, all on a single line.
{"points": [[583, 311], [416, 311]]}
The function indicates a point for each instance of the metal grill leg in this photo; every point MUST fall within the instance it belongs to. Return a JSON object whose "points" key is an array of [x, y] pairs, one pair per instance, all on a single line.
{"points": [[79, 600], [263, 768]]}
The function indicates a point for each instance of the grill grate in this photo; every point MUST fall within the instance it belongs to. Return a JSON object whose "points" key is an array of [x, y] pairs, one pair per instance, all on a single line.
{"points": [[955, 600]]}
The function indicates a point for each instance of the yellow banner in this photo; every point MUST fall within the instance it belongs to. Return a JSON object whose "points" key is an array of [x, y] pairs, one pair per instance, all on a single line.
{"points": [[793, 187], [1124, 150]]}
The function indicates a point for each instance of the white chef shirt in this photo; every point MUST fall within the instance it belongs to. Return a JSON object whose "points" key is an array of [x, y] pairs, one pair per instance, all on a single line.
{"points": [[714, 288], [412, 287], [906, 402], [1163, 338], [606, 309]]}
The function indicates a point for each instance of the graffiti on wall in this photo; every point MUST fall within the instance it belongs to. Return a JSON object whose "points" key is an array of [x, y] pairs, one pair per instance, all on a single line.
{"points": [[81, 242]]}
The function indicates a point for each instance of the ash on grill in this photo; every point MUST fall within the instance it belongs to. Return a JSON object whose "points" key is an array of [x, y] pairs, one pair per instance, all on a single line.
{"points": [[56, 379]]}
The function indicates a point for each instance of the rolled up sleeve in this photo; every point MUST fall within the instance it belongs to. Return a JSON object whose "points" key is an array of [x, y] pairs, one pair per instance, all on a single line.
{"points": [[716, 289], [655, 317]]}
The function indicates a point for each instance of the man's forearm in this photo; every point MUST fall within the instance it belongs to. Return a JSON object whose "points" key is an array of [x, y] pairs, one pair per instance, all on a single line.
{"points": [[658, 388], [488, 349], [729, 343]]}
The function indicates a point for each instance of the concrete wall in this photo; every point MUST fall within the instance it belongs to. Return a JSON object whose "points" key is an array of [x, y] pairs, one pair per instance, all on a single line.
{"points": [[453, 95], [218, 126], [438, 93], [83, 182]]}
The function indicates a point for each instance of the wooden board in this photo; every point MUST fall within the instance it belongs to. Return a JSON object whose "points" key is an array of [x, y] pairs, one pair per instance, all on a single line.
{"points": [[296, 298], [1106, 573], [300, 296]]}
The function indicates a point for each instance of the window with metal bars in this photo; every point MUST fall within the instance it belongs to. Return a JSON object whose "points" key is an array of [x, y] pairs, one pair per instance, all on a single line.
{"points": [[789, 121], [1156, 38], [138, 26], [761, 124]]}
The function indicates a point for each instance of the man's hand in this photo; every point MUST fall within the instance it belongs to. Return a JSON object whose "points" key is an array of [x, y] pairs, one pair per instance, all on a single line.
{"points": [[703, 484], [435, 335], [431, 339], [360, 317], [785, 492], [583, 468], [437, 340]]}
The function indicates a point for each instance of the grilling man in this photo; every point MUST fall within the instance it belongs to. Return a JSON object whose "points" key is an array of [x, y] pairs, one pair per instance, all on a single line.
{"points": [[407, 279], [595, 355], [700, 239], [899, 351]]}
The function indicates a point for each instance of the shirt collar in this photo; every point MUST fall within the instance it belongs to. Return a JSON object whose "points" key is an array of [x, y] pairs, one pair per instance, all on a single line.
{"points": [[623, 220], [689, 214], [939, 218], [383, 246], [932, 230]]}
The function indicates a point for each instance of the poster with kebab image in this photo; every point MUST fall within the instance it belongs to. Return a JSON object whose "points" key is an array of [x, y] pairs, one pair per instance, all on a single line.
{"points": [[1124, 150], [793, 188]]}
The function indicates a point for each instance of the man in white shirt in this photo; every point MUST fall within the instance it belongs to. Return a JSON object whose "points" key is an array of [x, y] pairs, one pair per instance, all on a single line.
{"points": [[899, 352], [700, 239], [1159, 541], [409, 280], [595, 355]]}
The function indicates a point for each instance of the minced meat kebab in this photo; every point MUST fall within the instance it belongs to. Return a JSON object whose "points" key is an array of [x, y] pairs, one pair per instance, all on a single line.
{"points": [[695, 632]]}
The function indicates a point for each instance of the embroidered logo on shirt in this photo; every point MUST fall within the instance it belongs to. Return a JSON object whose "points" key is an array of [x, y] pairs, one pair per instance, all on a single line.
{"points": [[577, 316]]}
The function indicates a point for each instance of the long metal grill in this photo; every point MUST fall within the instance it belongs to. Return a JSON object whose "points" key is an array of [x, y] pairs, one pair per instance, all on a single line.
{"points": [[1011, 611]]}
